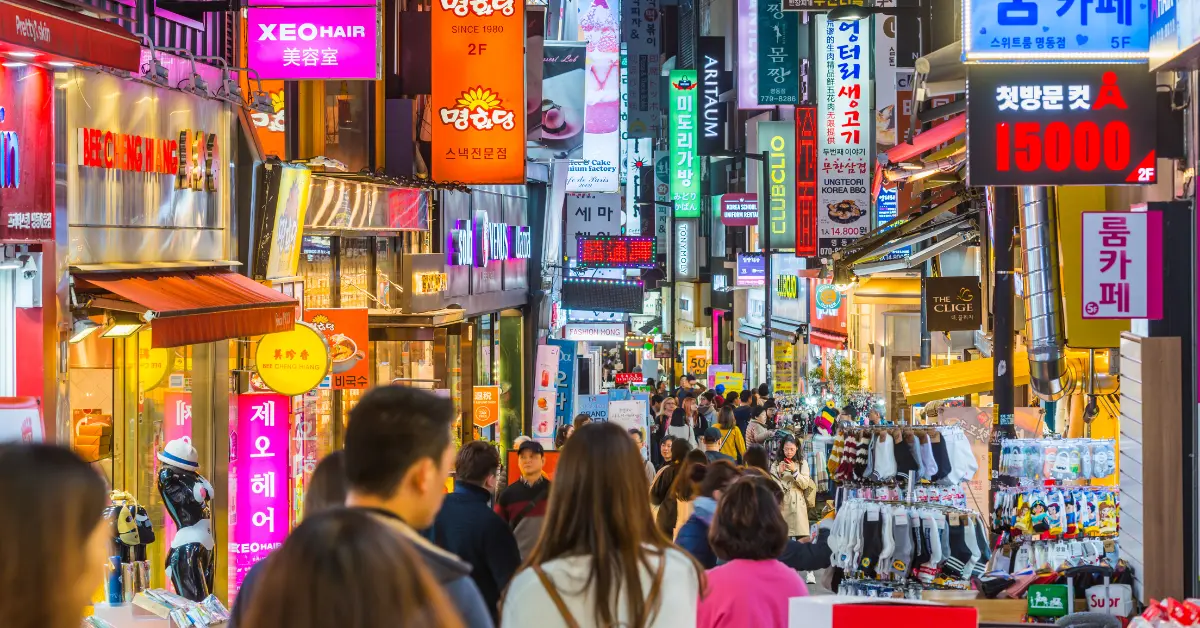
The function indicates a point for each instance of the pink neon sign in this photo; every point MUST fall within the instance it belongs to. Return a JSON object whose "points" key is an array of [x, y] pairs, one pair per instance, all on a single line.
{"points": [[314, 43], [177, 423], [258, 482]]}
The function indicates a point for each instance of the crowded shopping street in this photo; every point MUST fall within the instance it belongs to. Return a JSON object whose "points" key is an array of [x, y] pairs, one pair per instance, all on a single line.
{"points": [[762, 313]]}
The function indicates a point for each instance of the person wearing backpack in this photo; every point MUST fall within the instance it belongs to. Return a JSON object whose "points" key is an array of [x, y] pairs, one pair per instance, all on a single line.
{"points": [[732, 443], [523, 504]]}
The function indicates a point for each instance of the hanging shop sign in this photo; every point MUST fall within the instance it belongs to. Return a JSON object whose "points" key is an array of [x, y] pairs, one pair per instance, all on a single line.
{"points": [[282, 223], [347, 334], [739, 210], [564, 383], [886, 210], [714, 80], [885, 76], [827, 297], [807, 241], [826, 313], [595, 332], [641, 31], [479, 241], [624, 379], [662, 195], [591, 214], [26, 153], [487, 405], [685, 167], [747, 47], [478, 83], [293, 362], [696, 360], [597, 170], [1123, 265], [778, 54], [778, 139], [953, 303], [687, 252], [637, 156], [559, 129], [259, 478], [790, 289], [1051, 30], [1068, 124], [315, 43], [603, 295], [751, 270], [615, 252], [844, 95], [787, 286]]}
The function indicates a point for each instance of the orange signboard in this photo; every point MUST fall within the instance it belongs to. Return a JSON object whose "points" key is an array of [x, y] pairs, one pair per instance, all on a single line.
{"points": [[487, 405], [478, 54], [347, 333]]}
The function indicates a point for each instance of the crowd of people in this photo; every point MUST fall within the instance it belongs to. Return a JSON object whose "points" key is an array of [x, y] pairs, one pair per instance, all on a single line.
{"points": [[705, 533]]}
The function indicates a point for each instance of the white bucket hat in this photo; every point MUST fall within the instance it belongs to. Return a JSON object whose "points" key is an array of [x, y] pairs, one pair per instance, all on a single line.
{"points": [[180, 453]]}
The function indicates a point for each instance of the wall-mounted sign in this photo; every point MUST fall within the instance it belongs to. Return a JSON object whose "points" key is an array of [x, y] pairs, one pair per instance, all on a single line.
{"points": [[640, 30], [751, 270], [591, 214], [564, 379], [603, 295], [314, 43], [685, 167], [844, 96], [282, 223], [430, 282], [778, 54], [687, 252], [1068, 124], [478, 84], [714, 80], [615, 252], [346, 333], [597, 171], [479, 241], [827, 297], [1050, 30], [747, 55], [595, 332], [622, 379], [953, 303], [26, 153], [787, 286], [739, 210], [1122, 265], [193, 157], [807, 242], [259, 470], [778, 139], [487, 405], [292, 362]]}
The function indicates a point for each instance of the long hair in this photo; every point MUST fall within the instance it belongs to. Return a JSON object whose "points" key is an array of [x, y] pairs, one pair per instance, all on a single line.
{"points": [[685, 488], [726, 419], [53, 503], [345, 568], [598, 508]]}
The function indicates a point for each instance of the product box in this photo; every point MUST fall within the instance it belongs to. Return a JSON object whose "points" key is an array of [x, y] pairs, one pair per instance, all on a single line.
{"points": [[835, 611]]}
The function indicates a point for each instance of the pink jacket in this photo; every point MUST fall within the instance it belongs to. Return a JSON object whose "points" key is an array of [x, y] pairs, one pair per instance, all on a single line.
{"points": [[749, 593]]}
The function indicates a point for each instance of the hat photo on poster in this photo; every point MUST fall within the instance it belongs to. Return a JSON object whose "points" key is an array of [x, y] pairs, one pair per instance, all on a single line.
{"points": [[558, 122], [180, 454]]}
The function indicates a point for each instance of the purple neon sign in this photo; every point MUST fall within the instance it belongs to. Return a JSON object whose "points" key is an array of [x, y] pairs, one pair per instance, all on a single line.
{"points": [[479, 241], [314, 43]]}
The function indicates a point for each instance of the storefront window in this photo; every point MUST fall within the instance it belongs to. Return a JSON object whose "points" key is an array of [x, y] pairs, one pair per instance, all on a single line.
{"points": [[346, 123], [409, 363], [316, 267], [486, 352], [510, 348]]}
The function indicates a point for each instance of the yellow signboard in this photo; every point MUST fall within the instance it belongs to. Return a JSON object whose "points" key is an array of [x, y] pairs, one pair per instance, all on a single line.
{"points": [[695, 360], [293, 362], [731, 381], [153, 364]]}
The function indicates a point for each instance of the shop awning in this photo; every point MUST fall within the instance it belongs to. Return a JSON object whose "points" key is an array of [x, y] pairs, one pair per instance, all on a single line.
{"points": [[191, 307], [889, 291], [958, 379], [64, 34], [827, 339]]}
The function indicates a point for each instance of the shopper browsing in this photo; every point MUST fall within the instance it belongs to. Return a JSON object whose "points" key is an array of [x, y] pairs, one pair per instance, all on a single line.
{"points": [[523, 504], [682, 423]]}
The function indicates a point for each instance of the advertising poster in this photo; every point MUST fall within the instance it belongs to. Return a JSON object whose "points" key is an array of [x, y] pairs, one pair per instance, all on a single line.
{"points": [[21, 420], [596, 171], [564, 378], [1123, 265], [546, 368], [559, 128], [641, 31], [346, 332], [543, 417], [291, 204], [1048, 30], [478, 83], [595, 406], [885, 78], [732, 381], [779, 140], [632, 414], [315, 43], [778, 54], [487, 405], [685, 165], [590, 214], [696, 360], [27, 146], [535, 55], [258, 482], [844, 160], [713, 369]]}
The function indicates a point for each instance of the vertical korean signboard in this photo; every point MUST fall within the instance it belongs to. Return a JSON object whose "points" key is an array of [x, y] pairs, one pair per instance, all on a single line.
{"points": [[844, 95], [640, 26], [806, 181], [685, 167], [1122, 265], [564, 383], [778, 54], [478, 84], [258, 482], [747, 55], [26, 153], [597, 170], [712, 84], [779, 140]]}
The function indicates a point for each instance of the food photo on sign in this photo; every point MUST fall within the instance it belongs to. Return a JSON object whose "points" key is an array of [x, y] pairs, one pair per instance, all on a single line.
{"points": [[559, 132]]}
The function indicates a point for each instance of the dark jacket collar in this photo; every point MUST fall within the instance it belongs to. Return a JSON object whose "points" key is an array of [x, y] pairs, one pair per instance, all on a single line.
{"points": [[472, 491]]}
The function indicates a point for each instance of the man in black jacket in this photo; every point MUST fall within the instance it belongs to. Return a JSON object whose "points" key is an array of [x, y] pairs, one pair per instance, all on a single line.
{"points": [[467, 527]]}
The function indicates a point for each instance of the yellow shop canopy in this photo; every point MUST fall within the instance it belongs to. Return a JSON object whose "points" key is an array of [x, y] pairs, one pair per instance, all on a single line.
{"points": [[889, 291], [958, 379]]}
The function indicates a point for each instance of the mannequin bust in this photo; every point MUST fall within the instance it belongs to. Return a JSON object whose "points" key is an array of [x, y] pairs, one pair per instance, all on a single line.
{"points": [[187, 496]]}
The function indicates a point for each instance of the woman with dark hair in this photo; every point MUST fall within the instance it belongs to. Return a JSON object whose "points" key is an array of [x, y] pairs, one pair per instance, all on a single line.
{"points": [[660, 489], [732, 442], [345, 568], [756, 458], [599, 561], [751, 588], [560, 438], [56, 541], [686, 488], [799, 490], [757, 431], [713, 478]]}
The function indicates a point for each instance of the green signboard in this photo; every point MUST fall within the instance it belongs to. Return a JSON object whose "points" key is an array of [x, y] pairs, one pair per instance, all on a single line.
{"points": [[685, 164], [1046, 600]]}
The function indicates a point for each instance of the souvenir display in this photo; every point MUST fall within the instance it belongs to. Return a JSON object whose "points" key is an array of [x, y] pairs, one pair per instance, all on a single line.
{"points": [[127, 568], [1060, 460]]}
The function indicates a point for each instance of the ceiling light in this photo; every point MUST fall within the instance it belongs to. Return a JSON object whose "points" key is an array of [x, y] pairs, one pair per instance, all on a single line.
{"points": [[23, 55], [82, 328], [123, 325], [14, 64], [62, 64]]}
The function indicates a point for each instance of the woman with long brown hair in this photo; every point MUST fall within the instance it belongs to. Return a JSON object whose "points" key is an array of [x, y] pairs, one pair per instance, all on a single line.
{"points": [[600, 561], [345, 568], [686, 488], [56, 542], [661, 497]]}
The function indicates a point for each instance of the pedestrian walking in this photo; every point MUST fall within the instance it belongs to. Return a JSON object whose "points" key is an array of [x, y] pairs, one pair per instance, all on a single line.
{"points": [[636, 434], [751, 588], [664, 452], [661, 498], [712, 446], [685, 489], [706, 409], [799, 490], [468, 527], [347, 568], [56, 541], [523, 504], [682, 421], [757, 431], [732, 443], [756, 458], [600, 562], [714, 478], [743, 413]]}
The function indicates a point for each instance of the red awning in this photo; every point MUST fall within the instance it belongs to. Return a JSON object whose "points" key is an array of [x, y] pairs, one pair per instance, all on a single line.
{"points": [[826, 339], [58, 32], [191, 307]]}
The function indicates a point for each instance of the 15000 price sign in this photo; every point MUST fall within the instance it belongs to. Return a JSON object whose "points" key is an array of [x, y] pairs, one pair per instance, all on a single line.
{"points": [[1061, 125]]}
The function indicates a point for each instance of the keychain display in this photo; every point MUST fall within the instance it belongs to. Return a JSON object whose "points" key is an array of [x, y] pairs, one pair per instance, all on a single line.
{"points": [[1060, 460], [1056, 512]]}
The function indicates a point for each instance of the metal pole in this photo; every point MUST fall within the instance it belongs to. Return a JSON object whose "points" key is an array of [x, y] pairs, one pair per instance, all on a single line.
{"points": [[764, 235], [673, 263], [1002, 307]]}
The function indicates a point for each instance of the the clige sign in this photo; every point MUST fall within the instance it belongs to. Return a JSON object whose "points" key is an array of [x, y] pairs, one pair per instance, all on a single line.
{"points": [[1061, 125]]}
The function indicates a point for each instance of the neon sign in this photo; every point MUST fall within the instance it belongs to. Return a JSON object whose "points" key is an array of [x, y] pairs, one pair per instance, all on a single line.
{"points": [[615, 251], [10, 157], [480, 241]]}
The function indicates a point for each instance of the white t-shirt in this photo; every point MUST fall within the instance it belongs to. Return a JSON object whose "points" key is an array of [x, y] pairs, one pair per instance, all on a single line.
{"points": [[528, 604]]}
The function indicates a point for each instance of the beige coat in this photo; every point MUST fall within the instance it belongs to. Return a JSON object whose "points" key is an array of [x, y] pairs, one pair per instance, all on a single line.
{"points": [[799, 494]]}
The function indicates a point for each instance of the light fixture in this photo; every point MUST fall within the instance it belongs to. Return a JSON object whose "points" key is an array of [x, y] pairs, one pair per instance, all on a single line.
{"points": [[23, 55], [14, 64], [82, 328], [849, 13], [122, 325], [62, 64]]}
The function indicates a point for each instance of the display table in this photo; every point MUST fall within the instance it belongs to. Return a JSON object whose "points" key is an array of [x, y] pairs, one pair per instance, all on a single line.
{"points": [[128, 616], [836, 611]]}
